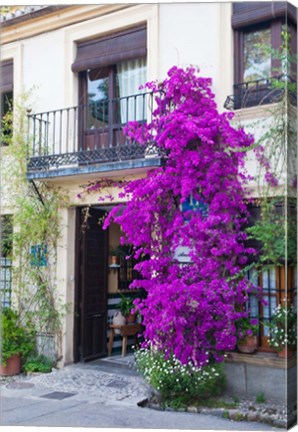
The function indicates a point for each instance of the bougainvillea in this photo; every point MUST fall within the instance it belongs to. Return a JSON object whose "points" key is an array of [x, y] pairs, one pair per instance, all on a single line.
{"points": [[191, 307]]}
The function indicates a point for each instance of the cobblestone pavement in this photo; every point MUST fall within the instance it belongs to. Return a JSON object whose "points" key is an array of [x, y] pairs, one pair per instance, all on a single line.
{"points": [[104, 393], [98, 381]]}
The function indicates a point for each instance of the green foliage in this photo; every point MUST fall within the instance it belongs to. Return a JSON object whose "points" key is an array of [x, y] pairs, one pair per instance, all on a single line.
{"points": [[36, 223], [277, 232], [180, 384], [240, 417], [219, 403], [260, 398], [235, 399], [283, 327], [16, 338], [125, 305], [226, 415], [38, 364]]}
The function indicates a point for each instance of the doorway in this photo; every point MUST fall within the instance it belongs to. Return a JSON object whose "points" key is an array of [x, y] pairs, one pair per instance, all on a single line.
{"points": [[91, 288]]}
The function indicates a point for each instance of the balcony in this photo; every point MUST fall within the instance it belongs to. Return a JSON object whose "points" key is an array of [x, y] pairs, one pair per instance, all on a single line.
{"points": [[261, 92], [89, 138]]}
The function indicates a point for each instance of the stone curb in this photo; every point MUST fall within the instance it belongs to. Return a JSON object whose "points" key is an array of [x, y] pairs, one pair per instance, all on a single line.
{"points": [[230, 414]]}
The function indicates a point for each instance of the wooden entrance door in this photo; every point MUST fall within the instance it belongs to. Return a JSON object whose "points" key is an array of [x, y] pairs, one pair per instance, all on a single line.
{"points": [[91, 292]]}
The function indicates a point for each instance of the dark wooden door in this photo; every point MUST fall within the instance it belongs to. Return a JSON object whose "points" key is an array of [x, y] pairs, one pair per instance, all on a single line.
{"points": [[92, 289]]}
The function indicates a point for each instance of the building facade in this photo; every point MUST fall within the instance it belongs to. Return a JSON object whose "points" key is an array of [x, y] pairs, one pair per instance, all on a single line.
{"points": [[83, 66]]}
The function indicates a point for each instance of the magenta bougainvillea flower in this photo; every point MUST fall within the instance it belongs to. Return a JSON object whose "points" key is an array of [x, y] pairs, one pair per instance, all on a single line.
{"points": [[191, 307]]}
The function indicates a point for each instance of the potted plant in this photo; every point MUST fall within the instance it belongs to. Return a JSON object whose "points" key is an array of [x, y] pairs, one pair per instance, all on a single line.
{"points": [[119, 251], [247, 331], [283, 330], [114, 254], [127, 307], [17, 342]]}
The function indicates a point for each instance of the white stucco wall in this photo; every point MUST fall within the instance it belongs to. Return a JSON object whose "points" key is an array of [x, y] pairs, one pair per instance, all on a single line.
{"points": [[44, 69], [199, 34]]}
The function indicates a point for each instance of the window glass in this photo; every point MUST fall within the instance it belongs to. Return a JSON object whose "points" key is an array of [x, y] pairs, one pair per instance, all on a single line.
{"points": [[98, 92], [122, 83], [257, 56], [269, 280], [6, 123]]}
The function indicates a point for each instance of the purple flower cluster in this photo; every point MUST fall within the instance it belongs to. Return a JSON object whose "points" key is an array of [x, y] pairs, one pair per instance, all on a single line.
{"points": [[191, 308]]}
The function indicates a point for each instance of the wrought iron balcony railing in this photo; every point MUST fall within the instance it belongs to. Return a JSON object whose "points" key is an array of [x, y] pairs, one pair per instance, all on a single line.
{"points": [[262, 92], [87, 134]]}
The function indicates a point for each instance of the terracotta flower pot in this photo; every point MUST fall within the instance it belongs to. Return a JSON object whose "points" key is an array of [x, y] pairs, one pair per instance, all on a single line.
{"points": [[13, 366], [114, 260], [131, 318], [249, 346], [286, 352]]}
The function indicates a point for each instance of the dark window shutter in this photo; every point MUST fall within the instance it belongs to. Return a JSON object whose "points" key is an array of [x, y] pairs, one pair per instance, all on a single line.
{"points": [[6, 81], [112, 49], [249, 13]]}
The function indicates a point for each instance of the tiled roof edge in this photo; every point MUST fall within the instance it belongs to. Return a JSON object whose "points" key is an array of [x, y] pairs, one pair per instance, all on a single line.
{"points": [[26, 13]]}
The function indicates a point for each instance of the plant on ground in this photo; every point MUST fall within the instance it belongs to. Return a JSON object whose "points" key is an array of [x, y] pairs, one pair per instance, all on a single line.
{"points": [[219, 403], [15, 338], [38, 363], [236, 399], [177, 383], [240, 417], [260, 398]]}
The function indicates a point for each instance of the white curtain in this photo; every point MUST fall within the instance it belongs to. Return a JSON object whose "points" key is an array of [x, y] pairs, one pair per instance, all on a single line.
{"points": [[131, 75]]}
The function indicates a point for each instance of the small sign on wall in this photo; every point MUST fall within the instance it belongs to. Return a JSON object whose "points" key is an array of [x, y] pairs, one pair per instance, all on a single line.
{"points": [[39, 255], [182, 254]]}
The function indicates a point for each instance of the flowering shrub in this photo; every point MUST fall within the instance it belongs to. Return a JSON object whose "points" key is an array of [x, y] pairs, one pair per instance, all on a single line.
{"points": [[190, 309], [283, 328], [246, 327], [177, 382]]}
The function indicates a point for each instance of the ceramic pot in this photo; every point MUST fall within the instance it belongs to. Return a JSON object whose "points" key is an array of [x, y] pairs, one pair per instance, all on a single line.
{"points": [[118, 319], [13, 366], [114, 260], [249, 346]]}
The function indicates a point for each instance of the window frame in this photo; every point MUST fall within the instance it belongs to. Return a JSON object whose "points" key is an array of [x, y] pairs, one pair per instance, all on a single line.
{"points": [[6, 92], [275, 30]]}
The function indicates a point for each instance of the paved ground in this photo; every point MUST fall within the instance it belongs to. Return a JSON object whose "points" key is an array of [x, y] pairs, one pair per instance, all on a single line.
{"points": [[101, 394]]}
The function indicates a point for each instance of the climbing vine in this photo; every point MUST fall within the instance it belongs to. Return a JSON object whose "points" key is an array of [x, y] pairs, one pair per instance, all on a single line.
{"points": [[276, 154], [36, 231]]}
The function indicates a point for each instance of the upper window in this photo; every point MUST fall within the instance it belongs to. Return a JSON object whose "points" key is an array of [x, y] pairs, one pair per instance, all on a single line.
{"points": [[115, 87], [111, 70], [262, 33], [6, 91]]}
